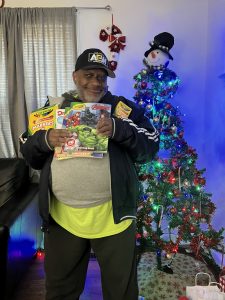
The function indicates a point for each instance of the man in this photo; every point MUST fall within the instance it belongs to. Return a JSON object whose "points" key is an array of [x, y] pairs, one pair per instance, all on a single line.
{"points": [[92, 201]]}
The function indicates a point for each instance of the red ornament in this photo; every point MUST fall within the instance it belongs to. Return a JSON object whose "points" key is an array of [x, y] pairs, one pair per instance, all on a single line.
{"points": [[186, 219], [196, 181], [164, 175], [181, 134], [174, 162], [113, 65], [116, 30], [191, 150], [171, 177], [103, 35], [173, 210], [192, 228], [138, 235], [143, 85], [176, 192], [202, 181], [168, 106], [148, 221]]}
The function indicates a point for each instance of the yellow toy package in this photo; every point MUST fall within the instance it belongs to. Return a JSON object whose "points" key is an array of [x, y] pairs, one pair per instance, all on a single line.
{"points": [[122, 110], [43, 118]]}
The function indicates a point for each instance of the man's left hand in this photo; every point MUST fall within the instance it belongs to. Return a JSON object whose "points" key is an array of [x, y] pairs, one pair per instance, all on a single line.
{"points": [[105, 127]]}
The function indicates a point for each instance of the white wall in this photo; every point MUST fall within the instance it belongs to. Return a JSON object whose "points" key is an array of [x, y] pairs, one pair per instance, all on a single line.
{"points": [[199, 58], [213, 146]]}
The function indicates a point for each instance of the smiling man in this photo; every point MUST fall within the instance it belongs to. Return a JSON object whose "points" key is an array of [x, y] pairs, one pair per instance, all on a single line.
{"points": [[90, 203], [90, 75]]}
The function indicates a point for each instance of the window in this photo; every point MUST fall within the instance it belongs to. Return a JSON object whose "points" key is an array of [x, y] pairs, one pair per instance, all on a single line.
{"points": [[45, 51]]}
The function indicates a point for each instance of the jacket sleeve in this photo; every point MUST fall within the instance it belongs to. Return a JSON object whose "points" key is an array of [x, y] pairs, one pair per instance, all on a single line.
{"points": [[35, 148], [137, 135]]}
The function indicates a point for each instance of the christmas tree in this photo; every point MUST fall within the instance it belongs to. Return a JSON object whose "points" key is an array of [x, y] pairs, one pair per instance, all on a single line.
{"points": [[174, 209]]}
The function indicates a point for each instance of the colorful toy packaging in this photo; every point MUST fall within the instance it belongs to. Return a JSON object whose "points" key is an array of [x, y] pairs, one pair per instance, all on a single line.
{"points": [[43, 118]]}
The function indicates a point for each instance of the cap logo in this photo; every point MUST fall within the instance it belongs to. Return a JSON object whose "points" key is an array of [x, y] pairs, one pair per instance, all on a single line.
{"points": [[97, 57]]}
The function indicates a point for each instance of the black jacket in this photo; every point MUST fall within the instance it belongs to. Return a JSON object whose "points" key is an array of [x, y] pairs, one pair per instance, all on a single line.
{"points": [[135, 140]]}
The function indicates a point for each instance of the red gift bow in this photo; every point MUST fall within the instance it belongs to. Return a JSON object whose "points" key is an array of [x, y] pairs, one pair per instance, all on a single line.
{"points": [[118, 44]]}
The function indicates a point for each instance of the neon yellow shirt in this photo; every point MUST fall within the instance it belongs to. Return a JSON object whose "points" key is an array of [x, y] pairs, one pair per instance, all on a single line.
{"points": [[90, 222]]}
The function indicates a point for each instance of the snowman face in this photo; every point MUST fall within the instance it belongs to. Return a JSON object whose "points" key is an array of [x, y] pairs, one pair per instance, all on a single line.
{"points": [[156, 58]]}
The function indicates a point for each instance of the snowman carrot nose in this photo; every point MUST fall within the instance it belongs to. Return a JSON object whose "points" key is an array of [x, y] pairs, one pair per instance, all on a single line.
{"points": [[153, 54]]}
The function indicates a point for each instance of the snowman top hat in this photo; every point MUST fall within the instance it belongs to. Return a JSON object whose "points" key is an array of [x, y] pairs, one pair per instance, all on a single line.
{"points": [[163, 41]]}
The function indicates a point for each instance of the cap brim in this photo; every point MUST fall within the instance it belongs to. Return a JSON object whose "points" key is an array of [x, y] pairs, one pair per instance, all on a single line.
{"points": [[109, 72]]}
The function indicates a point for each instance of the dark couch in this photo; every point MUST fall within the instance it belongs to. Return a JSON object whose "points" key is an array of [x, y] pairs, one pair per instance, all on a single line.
{"points": [[20, 233]]}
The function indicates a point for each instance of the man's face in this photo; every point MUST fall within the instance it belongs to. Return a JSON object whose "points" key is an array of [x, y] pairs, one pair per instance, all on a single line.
{"points": [[91, 84]]}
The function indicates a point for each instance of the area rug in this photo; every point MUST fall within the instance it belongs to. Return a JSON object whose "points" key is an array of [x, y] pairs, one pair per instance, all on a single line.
{"points": [[158, 285]]}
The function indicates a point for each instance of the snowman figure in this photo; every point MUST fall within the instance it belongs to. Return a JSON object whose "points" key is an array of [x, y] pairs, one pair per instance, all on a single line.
{"points": [[158, 56]]}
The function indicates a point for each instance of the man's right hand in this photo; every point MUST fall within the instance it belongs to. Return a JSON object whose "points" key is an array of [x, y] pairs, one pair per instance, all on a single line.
{"points": [[57, 137]]}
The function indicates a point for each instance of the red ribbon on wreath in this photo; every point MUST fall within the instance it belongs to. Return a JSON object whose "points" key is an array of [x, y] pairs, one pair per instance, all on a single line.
{"points": [[117, 42]]}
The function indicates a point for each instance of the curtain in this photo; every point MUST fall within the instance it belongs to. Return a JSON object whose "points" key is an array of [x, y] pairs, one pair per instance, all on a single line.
{"points": [[37, 57]]}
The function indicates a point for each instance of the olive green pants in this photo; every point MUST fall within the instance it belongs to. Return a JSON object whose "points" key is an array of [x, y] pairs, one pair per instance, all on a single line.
{"points": [[66, 263]]}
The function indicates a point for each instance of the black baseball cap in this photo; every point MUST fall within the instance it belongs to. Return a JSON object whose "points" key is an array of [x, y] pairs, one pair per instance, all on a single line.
{"points": [[94, 59]]}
